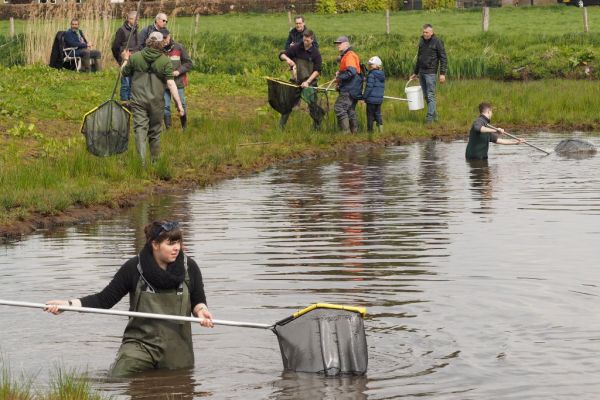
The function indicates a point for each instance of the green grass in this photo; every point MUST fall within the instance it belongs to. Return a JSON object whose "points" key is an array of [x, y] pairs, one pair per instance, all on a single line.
{"points": [[64, 384], [44, 162], [45, 169], [522, 43]]}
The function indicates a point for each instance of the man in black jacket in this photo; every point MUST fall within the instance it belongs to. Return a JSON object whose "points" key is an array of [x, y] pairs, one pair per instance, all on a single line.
{"points": [[296, 34], [430, 57], [126, 38]]}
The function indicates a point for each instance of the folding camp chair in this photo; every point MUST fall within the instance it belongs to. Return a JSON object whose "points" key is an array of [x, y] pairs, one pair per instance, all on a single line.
{"points": [[63, 57], [71, 57], [69, 54]]}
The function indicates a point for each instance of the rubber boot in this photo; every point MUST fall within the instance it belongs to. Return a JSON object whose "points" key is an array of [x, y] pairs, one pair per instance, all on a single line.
{"points": [[154, 151], [380, 128], [167, 121], [344, 124], [97, 67], [353, 126], [183, 122], [283, 120], [85, 63]]}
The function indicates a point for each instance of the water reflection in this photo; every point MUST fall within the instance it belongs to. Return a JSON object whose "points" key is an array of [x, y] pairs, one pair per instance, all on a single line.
{"points": [[300, 386], [481, 184], [160, 385]]}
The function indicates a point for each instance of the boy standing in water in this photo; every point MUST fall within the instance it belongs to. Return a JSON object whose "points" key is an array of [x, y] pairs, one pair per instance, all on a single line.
{"points": [[373, 95], [481, 135]]}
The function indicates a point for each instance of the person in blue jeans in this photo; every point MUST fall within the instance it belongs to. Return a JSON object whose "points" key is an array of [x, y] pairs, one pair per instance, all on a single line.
{"points": [[182, 63], [373, 95], [431, 57], [126, 39]]}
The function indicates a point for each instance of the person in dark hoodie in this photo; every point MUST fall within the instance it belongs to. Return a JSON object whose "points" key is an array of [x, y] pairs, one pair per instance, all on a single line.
{"points": [[430, 57], [349, 84], [151, 72], [126, 39], [163, 280], [182, 63], [373, 95]]}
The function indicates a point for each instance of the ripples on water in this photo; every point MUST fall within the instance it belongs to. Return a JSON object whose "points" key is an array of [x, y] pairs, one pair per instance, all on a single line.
{"points": [[480, 280]]}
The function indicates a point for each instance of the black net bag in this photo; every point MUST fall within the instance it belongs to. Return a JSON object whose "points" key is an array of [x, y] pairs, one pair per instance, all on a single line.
{"points": [[325, 339], [318, 103], [106, 129], [283, 96]]}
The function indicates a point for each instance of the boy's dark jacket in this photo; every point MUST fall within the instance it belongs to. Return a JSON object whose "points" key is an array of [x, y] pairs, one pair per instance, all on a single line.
{"points": [[375, 87]]}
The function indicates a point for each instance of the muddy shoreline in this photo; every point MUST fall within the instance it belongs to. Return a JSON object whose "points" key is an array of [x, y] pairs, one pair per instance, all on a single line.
{"points": [[16, 229]]}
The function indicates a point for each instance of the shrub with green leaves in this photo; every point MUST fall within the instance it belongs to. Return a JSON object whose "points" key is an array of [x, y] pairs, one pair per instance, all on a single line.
{"points": [[438, 4]]}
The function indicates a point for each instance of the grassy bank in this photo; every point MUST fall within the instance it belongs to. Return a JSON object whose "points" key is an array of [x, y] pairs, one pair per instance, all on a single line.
{"points": [[522, 43], [45, 169], [63, 385]]}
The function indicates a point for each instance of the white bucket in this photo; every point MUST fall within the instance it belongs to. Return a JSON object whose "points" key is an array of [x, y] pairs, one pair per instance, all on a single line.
{"points": [[414, 94]]}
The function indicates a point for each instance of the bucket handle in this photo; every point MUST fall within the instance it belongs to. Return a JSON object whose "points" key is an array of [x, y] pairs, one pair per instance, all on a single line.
{"points": [[409, 81]]}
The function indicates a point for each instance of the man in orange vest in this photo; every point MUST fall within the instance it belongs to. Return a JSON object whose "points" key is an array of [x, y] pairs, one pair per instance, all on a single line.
{"points": [[349, 84]]}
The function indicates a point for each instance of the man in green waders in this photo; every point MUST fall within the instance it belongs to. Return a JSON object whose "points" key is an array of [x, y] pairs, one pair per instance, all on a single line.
{"points": [[305, 62], [481, 135], [151, 72], [160, 280]]}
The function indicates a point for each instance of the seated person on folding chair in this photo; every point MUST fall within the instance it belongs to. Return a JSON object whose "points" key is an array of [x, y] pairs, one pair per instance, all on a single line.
{"points": [[75, 38]]}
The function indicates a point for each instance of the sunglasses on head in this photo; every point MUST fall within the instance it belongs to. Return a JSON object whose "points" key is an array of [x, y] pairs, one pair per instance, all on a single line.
{"points": [[169, 226]]}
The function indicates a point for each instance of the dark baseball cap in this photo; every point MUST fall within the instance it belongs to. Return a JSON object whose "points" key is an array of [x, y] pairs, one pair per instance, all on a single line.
{"points": [[341, 39]]}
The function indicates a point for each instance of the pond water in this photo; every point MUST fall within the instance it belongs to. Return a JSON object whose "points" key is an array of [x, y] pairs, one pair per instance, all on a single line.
{"points": [[480, 280]]}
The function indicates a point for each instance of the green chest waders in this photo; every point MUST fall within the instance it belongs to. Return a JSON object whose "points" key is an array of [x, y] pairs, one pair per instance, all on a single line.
{"points": [[304, 68], [156, 344], [147, 104]]}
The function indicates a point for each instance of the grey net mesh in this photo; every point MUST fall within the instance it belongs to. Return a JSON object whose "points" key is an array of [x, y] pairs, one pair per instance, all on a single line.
{"points": [[324, 340], [106, 129]]}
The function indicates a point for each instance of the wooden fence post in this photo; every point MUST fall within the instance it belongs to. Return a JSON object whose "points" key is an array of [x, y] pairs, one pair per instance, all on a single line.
{"points": [[196, 27], [486, 19], [387, 21], [586, 24], [12, 27], [290, 19]]}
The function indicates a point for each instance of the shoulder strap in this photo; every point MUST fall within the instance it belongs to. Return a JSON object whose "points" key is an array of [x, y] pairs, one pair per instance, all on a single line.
{"points": [[186, 279], [148, 287]]}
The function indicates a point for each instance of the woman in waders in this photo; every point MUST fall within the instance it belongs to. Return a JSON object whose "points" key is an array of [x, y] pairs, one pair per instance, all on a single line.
{"points": [[163, 280]]}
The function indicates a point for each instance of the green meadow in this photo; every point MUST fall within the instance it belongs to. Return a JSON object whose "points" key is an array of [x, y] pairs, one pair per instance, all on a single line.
{"points": [[535, 65]]}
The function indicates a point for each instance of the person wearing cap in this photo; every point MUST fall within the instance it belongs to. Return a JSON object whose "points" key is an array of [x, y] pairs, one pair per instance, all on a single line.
{"points": [[91, 60], [305, 59], [161, 279], [182, 63], [296, 34], [126, 39], [373, 95], [160, 22], [431, 57], [349, 83], [151, 72]]}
